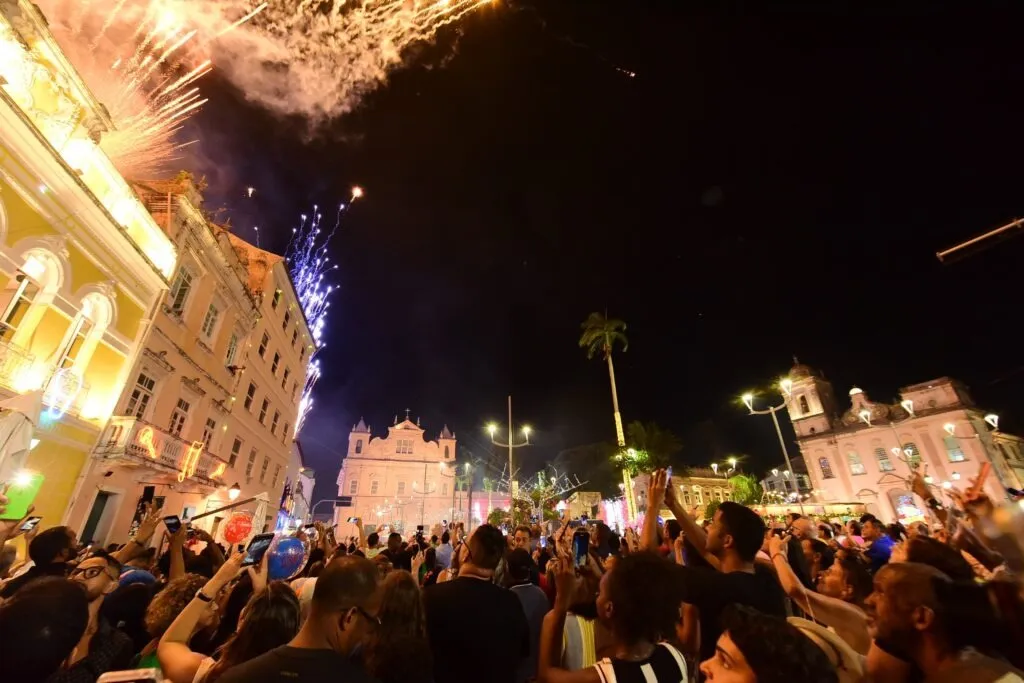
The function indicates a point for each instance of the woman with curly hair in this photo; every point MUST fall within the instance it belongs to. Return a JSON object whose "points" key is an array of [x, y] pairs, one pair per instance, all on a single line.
{"points": [[270, 619], [162, 610], [399, 651]]}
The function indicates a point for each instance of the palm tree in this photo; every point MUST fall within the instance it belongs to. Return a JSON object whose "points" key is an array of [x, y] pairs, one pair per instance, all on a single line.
{"points": [[600, 334], [659, 444]]}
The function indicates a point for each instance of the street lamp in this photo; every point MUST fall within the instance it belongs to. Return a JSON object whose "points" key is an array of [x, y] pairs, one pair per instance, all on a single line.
{"points": [[492, 429], [786, 385], [234, 492]]}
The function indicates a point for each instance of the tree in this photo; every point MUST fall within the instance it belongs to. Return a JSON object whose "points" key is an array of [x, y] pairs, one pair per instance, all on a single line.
{"points": [[746, 489], [601, 334], [595, 460], [497, 517], [711, 509], [660, 445]]}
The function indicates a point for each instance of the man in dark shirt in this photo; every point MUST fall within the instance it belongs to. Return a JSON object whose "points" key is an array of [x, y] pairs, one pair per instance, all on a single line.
{"points": [[342, 613], [732, 540], [49, 552], [488, 621], [401, 557]]}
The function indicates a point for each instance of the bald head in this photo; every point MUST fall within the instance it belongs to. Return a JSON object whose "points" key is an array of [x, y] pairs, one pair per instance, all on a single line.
{"points": [[345, 583], [804, 528]]}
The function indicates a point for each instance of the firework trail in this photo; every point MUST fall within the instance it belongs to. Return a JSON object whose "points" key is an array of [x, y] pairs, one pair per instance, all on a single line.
{"points": [[311, 58], [308, 264]]}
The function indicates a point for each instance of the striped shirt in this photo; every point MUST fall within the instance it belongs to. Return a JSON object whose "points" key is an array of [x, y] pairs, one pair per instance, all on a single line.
{"points": [[665, 665]]}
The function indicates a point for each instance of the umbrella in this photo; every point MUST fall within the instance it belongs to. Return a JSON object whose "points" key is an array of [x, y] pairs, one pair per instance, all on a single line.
{"points": [[16, 427]]}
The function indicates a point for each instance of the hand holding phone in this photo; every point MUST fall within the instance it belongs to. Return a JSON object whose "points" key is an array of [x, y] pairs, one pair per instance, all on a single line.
{"points": [[580, 548], [173, 524], [258, 547], [30, 524], [21, 493]]}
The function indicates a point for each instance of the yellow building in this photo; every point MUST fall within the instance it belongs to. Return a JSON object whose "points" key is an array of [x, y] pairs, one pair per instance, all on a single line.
{"points": [[187, 427], [83, 264]]}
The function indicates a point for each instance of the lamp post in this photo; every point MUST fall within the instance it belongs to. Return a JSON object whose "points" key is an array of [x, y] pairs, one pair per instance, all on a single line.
{"points": [[748, 399], [992, 420], [427, 490], [492, 429]]}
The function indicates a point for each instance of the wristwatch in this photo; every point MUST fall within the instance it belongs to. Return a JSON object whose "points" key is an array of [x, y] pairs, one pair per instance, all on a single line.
{"points": [[203, 596]]}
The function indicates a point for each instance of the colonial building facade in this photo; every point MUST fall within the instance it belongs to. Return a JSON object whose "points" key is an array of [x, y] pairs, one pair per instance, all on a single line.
{"points": [[400, 480], [864, 453], [83, 266]]}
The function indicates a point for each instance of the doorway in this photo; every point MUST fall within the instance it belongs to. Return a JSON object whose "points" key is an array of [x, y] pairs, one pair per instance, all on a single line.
{"points": [[92, 522]]}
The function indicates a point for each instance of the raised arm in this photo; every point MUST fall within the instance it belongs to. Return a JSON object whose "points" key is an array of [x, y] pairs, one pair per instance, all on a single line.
{"points": [[694, 532], [849, 622], [655, 498], [178, 662], [550, 659], [143, 534]]}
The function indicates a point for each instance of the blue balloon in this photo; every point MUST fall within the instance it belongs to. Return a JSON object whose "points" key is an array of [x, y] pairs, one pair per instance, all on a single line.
{"points": [[286, 557]]}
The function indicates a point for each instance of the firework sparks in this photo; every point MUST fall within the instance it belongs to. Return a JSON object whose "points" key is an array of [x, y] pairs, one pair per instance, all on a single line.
{"points": [[314, 59], [308, 264]]}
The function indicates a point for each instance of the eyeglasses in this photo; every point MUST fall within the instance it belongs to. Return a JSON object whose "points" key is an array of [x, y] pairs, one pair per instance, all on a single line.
{"points": [[89, 572], [366, 615]]}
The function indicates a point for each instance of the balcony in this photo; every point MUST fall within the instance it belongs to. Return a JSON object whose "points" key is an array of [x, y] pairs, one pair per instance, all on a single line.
{"points": [[63, 389], [143, 444]]}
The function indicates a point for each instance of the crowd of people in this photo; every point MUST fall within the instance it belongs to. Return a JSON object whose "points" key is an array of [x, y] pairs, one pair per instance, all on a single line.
{"points": [[731, 599]]}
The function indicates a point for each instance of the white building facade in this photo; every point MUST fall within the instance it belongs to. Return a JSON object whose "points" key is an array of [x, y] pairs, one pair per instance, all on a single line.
{"points": [[863, 454], [400, 480]]}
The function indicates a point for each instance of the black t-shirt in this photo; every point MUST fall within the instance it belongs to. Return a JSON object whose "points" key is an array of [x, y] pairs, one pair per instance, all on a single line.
{"points": [[712, 591], [294, 665], [490, 627]]}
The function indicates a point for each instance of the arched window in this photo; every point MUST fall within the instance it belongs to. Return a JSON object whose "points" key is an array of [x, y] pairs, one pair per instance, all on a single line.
{"points": [[884, 464], [856, 466], [33, 286], [804, 407], [446, 453], [826, 468], [85, 332], [359, 445]]}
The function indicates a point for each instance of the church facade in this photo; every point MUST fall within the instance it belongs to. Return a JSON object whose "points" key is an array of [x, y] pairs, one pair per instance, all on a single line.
{"points": [[864, 453], [399, 480]]}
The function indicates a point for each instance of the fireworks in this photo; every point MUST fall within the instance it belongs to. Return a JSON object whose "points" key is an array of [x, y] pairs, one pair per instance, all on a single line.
{"points": [[308, 264], [143, 58]]}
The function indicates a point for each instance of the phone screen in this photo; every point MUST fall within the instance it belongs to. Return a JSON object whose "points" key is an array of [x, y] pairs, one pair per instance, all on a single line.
{"points": [[30, 524], [22, 493], [580, 547], [257, 549], [352, 520], [543, 542], [173, 523]]}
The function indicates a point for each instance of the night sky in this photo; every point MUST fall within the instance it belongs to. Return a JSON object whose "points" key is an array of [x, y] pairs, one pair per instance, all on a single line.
{"points": [[768, 184]]}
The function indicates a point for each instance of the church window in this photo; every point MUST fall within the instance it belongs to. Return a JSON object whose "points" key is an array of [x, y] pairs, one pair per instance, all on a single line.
{"points": [[826, 469], [804, 407]]}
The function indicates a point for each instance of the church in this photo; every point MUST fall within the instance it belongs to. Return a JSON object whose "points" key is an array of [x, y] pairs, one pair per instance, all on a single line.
{"points": [[400, 480]]}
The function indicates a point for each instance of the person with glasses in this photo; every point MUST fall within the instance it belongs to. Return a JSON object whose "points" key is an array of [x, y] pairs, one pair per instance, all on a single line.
{"points": [[101, 648], [342, 615]]}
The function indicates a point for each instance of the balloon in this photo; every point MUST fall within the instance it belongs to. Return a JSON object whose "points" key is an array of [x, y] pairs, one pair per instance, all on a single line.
{"points": [[238, 527], [286, 557]]}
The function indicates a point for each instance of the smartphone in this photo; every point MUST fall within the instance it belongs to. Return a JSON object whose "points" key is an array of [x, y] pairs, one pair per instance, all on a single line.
{"points": [[668, 472], [29, 524], [131, 676], [580, 547], [419, 528], [257, 549], [173, 523], [22, 493], [543, 542], [353, 520], [444, 522]]}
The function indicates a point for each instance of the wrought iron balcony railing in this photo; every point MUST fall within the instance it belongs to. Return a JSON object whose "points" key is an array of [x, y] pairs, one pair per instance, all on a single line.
{"points": [[146, 444]]}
